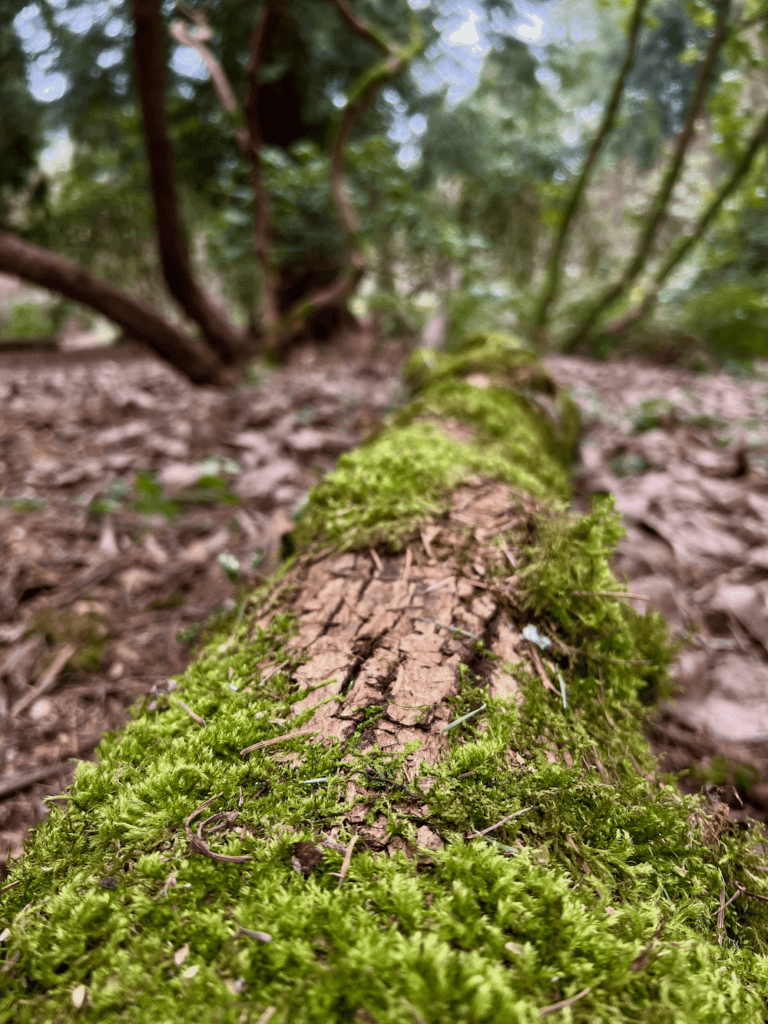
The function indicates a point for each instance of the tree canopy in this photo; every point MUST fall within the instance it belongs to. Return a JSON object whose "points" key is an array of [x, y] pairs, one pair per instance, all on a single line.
{"points": [[531, 186]]}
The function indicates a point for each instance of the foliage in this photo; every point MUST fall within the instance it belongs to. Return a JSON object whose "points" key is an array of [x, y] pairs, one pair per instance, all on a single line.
{"points": [[27, 320], [732, 317], [21, 125]]}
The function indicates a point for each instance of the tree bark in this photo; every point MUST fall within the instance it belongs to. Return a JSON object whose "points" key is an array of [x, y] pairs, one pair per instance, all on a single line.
{"points": [[138, 319], [430, 796]]}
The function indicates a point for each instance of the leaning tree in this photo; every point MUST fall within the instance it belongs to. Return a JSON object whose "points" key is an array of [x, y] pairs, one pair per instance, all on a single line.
{"points": [[272, 110]]}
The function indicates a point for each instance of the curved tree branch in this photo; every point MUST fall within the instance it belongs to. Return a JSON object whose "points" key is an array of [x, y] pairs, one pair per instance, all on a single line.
{"points": [[553, 270], [360, 96], [659, 208], [229, 343], [136, 318], [679, 251]]}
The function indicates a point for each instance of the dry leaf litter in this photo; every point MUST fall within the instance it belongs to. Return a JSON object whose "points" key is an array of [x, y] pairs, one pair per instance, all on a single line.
{"points": [[103, 581]]}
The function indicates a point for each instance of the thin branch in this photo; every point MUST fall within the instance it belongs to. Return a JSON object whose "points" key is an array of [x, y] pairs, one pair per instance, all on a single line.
{"points": [[658, 210], [759, 139], [553, 271], [196, 40], [362, 29]]}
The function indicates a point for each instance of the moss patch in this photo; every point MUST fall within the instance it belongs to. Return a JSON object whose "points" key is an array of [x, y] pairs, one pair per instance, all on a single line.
{"points": [[601, 892]]}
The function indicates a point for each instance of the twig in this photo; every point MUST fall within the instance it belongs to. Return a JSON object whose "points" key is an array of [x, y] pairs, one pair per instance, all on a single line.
{"points": [[546, 1010], [46, 682], [721, 916], [515, 814], [451, 629], [609, 593], [440, 583], [278, 739], [540, 669], [198, 845], [582, 863], [190, 712], [347, 859], [721, 909]]}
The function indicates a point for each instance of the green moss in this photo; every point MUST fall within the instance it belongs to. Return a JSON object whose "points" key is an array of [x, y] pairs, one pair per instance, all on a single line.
{"points": [[399, 479], [606, 887]]}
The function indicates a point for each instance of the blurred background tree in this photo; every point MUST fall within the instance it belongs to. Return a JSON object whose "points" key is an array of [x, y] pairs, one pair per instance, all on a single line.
{"points": [[460, 170]]}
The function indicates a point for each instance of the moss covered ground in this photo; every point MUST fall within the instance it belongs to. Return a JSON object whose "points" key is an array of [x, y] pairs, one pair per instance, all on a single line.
{"points": [[605, 897]]}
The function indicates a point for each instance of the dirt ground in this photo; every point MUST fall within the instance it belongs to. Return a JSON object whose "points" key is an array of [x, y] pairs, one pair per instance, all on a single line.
{"points": [[134, 507]]}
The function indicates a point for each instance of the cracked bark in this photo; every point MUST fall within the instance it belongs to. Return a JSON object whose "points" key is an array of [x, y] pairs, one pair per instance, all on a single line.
{"points": [[390, 632]]}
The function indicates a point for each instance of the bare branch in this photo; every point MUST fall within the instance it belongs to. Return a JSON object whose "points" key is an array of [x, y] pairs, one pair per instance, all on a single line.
{"points": [[149, 57], [759, 138], [659, 208], [197, 39], [553, 271], [138, 319], [361, 28]]}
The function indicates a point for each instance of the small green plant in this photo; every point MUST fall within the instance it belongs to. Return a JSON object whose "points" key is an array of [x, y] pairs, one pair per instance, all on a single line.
{"points": [[187, 635], [209, 490], [654, 412], [151, 500], [87, 632], [628, 464], [111, 500], [28, 320], [230, 565], [22, 504]]}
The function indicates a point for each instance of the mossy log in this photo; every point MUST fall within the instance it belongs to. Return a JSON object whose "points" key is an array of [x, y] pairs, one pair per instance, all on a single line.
{"points": [[406, 780]]}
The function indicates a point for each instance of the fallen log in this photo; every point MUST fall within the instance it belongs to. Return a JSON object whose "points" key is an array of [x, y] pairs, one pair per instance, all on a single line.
{"points": [[406, 780]]}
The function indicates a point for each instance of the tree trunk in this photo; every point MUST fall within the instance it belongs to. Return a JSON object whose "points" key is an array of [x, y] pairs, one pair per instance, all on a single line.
{"points": [[427, 795], [230, 345]]}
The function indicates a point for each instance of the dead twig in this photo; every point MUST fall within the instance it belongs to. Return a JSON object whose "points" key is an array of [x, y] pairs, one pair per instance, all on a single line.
{"points": [[46, 682], [198, 845], [278, 739], [347, 859], [509, 817], [190, 712], [540, 669], [546, 1010]]}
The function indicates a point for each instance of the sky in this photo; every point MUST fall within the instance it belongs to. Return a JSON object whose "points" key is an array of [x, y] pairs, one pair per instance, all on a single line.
{"points": [[455, 59]]}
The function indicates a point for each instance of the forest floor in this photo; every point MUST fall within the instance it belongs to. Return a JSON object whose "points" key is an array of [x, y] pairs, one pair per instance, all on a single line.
{"points": [[135, 507]]}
